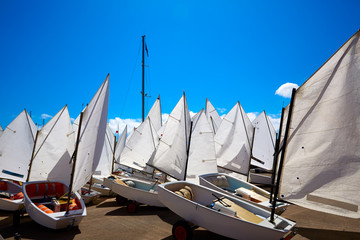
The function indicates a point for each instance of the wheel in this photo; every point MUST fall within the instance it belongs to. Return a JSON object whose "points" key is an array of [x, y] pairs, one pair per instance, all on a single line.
{"points": [[16, 218], [182, 230], [131, 207], [120, 200]]}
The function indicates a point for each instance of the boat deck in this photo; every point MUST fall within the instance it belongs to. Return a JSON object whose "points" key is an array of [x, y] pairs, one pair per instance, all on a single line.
{"points": [[107, 220]]}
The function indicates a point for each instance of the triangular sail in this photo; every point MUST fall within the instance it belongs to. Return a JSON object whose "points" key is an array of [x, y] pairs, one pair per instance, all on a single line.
{"points": [[107, 155], [92, 136], [212, 115], [140, 146], [233, 141], [55, 144], [202, 156], [120, 145], [171, 153], [264, 142], [155, 115], [322, 159], [16, 147]]}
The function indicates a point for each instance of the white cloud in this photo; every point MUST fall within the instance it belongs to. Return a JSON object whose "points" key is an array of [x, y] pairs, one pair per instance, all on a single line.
{"points": [[221, 110], [275, 122], [252, 115], [45, 116], [286, 89], [119, 124]]}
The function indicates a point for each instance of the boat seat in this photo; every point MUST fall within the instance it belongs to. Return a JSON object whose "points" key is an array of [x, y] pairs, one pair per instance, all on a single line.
{"points": [[250, 195], [240, 212], [44, 208], [19, 195]]}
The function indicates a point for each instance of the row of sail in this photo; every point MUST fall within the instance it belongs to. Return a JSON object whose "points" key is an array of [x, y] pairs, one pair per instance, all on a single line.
{"points": [[167, 148], [28, 154]]}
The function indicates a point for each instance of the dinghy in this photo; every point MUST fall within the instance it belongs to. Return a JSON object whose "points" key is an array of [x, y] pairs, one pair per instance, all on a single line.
{"points": [[219, 213], [139, 148], [243, 190], [41, 196], [45, 204], [11, 196], [16, 146]]}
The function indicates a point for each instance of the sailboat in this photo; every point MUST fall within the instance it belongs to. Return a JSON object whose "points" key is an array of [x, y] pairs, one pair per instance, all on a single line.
{"points": [[55, 204], [263, 148], [138, 151], [103, 170], [319, 166], [233, 142], [220, 213], [202, 156], [16, 146]]}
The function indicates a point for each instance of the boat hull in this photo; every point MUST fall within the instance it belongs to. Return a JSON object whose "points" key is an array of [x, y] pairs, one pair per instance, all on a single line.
{"points": [[54, 220], [143, 192], [10, 188], [198, 213], [235, 183]]}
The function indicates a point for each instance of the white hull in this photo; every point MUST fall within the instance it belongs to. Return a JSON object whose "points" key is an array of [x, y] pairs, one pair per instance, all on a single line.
{"points": [[260, 179], [55, 220], [198, 213], [89, 197], [103, 190], [143, 192], [235, 183], [8, 204]]}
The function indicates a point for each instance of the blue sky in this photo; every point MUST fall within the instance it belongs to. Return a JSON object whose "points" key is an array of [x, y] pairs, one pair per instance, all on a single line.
{"points": [[57, 53]]}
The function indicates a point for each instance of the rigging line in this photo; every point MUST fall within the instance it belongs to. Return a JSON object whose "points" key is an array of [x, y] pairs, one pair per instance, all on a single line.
{"points": [[268, 126], [246, 131], [49, 132], [28, 121], [131, 80]]}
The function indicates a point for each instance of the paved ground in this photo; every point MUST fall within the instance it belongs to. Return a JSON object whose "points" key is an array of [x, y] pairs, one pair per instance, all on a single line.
{"points": [[107, 220]]}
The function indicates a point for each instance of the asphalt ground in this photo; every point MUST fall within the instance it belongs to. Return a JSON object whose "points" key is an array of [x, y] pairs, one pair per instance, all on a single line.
{"points": [[107, 220]]}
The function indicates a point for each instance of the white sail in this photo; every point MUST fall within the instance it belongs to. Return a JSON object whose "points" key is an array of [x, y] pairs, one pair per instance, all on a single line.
{"points": [[140, 146], [171, 154], [212, 115], [155, 115], [264, 142], [55, 144], [92, 135], [16, 147], [202, 156], [104, 167], [120, 145], [322, 159], [233, 141]]}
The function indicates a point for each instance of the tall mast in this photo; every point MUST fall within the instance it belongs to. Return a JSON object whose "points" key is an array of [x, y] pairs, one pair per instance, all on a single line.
{"points": [[282, 154], [74, 163], [143, 78]]}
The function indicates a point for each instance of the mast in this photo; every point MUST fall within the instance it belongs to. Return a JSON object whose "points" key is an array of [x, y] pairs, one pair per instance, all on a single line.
{"points": [[276, 154], [32, 156], [74, 163], [143, 78], [282, 154]]}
